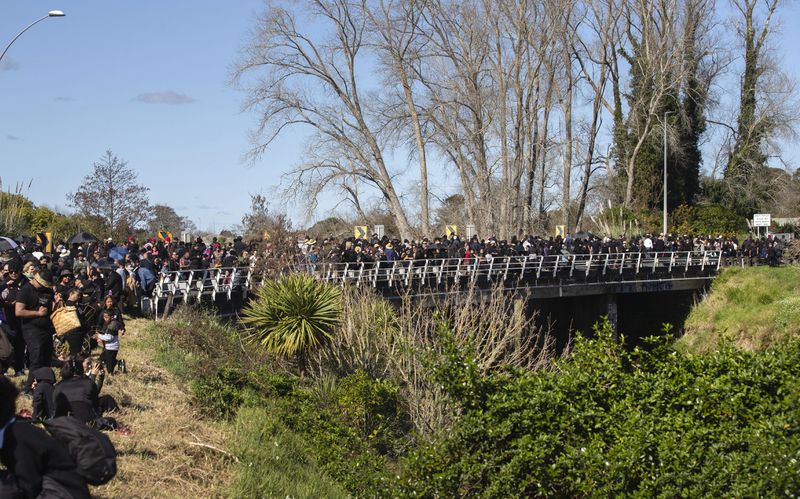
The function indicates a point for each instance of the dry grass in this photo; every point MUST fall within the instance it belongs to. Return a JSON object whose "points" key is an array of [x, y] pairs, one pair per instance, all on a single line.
{"points": [[171, 451]]}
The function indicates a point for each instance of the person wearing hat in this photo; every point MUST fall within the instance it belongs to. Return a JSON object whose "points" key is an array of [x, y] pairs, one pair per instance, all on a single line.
{"points": [[33, 308], [64, 283]]}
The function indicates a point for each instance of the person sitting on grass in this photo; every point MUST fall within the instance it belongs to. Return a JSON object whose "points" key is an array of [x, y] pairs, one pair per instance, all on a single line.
{"points": [[76, 395], [44, 406], [41, 465]]}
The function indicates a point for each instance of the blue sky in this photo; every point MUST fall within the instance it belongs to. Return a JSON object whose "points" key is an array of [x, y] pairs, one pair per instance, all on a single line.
{"points": [[148, 80]]}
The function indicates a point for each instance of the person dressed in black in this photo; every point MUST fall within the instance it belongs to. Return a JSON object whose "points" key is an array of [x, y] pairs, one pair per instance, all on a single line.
{"points": [[76, 395], [44, 406], [113, 282], [13, 280], [33, 307], [39, 463]]}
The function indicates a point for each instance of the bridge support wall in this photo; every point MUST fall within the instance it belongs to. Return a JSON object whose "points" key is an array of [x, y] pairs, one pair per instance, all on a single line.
{"points": [[633, 315]]}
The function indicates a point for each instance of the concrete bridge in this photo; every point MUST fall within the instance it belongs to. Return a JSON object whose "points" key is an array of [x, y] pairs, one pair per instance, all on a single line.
{"points": [[577, 289]]}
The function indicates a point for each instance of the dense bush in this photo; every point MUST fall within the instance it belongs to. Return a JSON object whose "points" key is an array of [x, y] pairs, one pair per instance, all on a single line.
{"points": [[609, 422], [707, 219]]}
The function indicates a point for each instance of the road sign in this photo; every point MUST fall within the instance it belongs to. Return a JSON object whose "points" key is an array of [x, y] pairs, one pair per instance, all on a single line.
{"points": [[44, 241], [471, 231], [762, 220], [561, 230], [451, 230], [380, 230], [360, 231]]}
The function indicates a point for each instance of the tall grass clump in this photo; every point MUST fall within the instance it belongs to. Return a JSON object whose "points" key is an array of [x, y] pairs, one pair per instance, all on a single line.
{"points": [[14, 208], [273, 460]]}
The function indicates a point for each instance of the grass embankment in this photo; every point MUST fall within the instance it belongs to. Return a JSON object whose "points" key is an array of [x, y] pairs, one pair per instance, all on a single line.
{"points": [[262, 456], [171, 451], [752, 307]]}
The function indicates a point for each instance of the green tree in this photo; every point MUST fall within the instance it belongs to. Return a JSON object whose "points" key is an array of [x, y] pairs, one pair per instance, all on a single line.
{"points": [[165, 218]]}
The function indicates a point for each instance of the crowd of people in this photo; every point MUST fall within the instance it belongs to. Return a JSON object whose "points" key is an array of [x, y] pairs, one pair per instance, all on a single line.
{"points": [[477, 250]]}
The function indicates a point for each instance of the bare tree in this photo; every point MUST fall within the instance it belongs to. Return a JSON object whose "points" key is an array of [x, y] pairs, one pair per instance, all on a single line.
{"points": [[111, 192], [303, 78], [395, 26]]}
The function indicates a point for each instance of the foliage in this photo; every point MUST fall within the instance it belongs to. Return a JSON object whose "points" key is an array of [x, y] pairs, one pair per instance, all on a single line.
{"points": [[330, 227], [752, 307], [273, 460], [165, 218], [111, 192], [261, 224], [615, 221], [293, 314], [707, 219], [367, 337], [13, 209], [612, 423]]}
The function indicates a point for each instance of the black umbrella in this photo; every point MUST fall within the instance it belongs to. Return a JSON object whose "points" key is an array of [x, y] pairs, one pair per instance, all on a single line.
{"points": [[583, 235], [6, 243], [81, 237]]}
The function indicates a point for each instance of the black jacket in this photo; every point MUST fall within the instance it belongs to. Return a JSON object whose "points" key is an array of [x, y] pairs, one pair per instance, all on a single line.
{"points": [[31, 453], [113, 286], [44, 406], [77, 397]]}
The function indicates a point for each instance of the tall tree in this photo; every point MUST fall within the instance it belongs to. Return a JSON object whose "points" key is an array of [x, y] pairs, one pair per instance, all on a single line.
{"points": [[396, 29], [653, 54], [755, 124], [112, 193]]}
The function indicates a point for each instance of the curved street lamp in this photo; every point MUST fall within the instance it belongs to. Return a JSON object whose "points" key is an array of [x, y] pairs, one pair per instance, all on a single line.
{"points": [[52, 13]]}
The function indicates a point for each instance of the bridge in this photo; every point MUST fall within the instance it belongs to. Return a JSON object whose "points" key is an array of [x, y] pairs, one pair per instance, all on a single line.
{"points": [[538, 276]]}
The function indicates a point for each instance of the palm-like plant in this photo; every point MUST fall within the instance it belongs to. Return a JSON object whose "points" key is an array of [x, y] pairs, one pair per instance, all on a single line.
{"points": [[294, 314]]}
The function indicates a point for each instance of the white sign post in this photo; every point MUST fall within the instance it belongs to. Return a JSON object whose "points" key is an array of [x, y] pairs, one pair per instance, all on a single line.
{"points": [[762, 220]]}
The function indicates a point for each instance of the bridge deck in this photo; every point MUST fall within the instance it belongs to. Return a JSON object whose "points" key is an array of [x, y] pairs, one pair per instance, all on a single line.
{"points": [[542, 276]]}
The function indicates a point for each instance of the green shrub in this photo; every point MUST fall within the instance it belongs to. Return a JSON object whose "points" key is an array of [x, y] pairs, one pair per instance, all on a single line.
{"points": [[373, 408], [613, 423]]}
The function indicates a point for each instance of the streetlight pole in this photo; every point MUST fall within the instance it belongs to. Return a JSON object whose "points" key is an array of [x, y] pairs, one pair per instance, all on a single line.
{"points": [[664, 230], [52, 13]]}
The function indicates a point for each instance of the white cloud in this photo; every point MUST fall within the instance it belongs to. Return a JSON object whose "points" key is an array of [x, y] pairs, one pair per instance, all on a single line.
{"points": [[8, 64], [166, 97]]}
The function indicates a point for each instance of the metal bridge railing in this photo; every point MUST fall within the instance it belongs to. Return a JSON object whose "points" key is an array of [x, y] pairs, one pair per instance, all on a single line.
{"points": [[531, 270], [524, 269]]}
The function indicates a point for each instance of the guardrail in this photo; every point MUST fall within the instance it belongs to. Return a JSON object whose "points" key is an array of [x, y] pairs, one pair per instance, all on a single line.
{"points": [[524, 270], [513, 271]]}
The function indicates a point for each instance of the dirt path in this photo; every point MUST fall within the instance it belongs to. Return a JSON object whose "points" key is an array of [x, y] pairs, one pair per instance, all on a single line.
{"points": [[170, 452]]}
